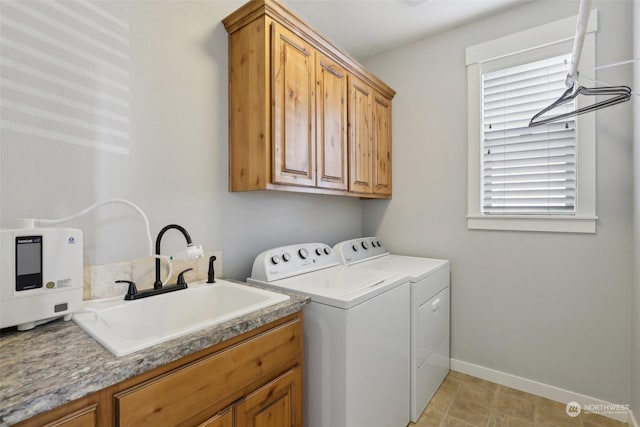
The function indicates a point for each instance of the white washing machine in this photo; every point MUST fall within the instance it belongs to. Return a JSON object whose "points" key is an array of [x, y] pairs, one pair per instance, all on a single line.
{"points": [[429, 311], [356, 336]]}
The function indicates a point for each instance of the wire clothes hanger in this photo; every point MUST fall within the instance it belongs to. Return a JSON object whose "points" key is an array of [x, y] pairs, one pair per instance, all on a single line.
{"points": [[615, 94]]}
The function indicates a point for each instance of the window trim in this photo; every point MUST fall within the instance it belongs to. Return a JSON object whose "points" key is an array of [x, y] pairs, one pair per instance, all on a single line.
{"points": [[534, 40]]}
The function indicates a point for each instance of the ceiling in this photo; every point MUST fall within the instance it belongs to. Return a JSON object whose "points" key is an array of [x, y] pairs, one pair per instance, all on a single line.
{"points": [[365, 28]]}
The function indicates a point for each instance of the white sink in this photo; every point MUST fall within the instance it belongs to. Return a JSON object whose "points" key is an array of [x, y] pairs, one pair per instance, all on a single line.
{"points": [[124, 327]]}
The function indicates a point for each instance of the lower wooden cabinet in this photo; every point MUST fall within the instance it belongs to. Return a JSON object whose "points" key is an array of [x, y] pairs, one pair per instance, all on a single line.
{"points": [[222, 419], [275, 404], [251, 380]]}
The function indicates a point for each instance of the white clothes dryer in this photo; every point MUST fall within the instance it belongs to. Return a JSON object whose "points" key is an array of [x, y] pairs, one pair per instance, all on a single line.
{"points": [[430, 305], [356, 336]]}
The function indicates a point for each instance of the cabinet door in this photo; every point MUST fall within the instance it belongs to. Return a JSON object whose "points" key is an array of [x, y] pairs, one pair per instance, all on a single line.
{"points": [[360, 136], [223, 419], [381, 145], [293, 109], [331, 124], [276, 404]]}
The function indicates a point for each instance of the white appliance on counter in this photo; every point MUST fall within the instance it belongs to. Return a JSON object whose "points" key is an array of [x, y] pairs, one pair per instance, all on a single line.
{"points": [[40, 275], [429, 311], [356, 335]]}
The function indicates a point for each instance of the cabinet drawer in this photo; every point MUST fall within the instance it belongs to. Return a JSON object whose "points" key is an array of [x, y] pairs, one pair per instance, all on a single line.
{"points": [[85, 417], [195, 391], [80, 413]]}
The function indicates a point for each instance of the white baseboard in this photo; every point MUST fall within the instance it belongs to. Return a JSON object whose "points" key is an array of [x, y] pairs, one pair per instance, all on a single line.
{"points": [[539, 389], [632, 420]]}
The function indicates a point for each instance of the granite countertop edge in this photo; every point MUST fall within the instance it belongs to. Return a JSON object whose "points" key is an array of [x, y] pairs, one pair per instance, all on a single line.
{"points": [[38, 374]]}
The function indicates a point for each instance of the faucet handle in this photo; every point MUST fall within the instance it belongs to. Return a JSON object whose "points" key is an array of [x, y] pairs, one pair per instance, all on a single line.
{"points": [[181, 280], [132, 291]]}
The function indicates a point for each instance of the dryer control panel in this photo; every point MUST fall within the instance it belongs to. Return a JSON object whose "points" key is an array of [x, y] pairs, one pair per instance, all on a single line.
{"points": [[357, 250], [287, 261]]}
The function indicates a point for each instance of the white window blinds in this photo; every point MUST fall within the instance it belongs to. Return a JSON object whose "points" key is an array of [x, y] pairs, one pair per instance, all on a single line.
{"points": [[527, 170]]}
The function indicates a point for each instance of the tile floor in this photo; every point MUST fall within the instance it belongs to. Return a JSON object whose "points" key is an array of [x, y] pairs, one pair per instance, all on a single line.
{"points": [[466, 401]]}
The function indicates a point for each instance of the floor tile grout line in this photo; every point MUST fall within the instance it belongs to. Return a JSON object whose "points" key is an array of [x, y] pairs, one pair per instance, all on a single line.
{"points": [[535, 401], [446, 412]]}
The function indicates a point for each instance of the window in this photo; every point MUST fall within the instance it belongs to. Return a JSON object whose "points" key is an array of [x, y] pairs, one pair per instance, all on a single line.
{"points": [[521, 178], [527, 170]]}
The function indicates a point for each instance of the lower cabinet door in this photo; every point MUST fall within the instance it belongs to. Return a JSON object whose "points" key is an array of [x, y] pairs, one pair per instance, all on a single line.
{"points": [[276, 404], [222, 419]]}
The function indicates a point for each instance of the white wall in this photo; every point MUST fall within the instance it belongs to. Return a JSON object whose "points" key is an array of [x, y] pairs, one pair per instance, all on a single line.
{"points": [[553, 308], [635, 307], [176, 169]]}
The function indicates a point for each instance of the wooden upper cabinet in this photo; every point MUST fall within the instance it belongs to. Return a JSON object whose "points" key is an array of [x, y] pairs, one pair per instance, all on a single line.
{"points": [[293, 85], [303, 115], [369, 140], [249, 108], [381, 145], [360, 136], [331, 124]]}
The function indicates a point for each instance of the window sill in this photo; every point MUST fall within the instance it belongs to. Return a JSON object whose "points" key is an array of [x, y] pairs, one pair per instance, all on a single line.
{"points": [[551, 224]]}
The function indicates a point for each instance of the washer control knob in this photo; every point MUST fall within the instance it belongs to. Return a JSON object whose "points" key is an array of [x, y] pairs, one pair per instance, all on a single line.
{"points": [[286, 257], [275, 259], [355, 248], [379, 243], [327, 251], [318, 251], [365, 245], [373, 244], [303, 253]]}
